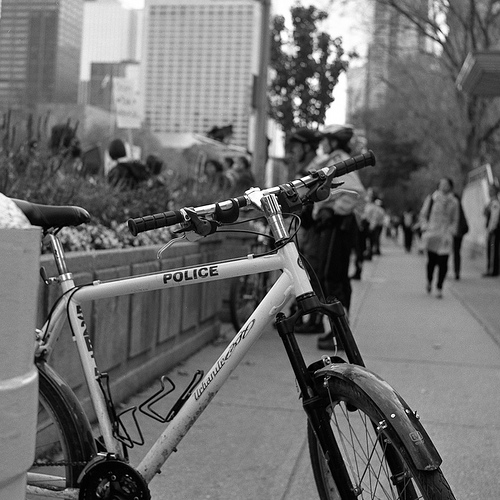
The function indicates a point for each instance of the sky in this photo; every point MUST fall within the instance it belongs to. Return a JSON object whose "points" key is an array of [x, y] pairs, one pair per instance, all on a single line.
{"points": [[342, 21]]}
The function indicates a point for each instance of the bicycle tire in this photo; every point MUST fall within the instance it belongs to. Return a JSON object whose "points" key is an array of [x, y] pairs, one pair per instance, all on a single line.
{"points": [[354, 419], [64, 441], [245, 294]]}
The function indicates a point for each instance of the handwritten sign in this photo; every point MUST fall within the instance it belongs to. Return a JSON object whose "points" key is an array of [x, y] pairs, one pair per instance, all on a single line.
{"points": [[126, 100]]}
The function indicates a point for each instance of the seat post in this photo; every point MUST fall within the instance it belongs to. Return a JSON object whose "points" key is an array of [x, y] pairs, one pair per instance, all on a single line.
{"points": [[59, 258]]}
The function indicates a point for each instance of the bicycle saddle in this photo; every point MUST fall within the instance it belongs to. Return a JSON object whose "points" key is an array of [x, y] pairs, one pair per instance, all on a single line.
{"points": [[47, 216]]}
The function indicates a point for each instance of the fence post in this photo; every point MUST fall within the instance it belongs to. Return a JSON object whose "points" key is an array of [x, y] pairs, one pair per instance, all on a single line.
{"points": [[19, 281]]}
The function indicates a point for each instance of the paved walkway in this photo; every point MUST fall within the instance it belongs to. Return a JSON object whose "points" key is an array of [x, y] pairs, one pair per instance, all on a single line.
{"points": [[442, 355]]}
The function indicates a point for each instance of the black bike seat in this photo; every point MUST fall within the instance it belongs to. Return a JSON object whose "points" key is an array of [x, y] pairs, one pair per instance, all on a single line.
{"points": [[47, 216]]}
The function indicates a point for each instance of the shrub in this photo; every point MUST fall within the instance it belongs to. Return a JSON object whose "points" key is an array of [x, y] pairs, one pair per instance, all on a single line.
{"points": [[33, 172]]}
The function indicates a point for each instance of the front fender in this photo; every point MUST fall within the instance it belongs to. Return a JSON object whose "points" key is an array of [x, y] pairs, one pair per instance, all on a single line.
{"points": [[395, 410]]}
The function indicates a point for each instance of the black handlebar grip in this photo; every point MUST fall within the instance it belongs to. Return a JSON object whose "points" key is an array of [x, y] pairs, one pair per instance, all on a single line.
{"points": [[355, 163], [149, 222]]}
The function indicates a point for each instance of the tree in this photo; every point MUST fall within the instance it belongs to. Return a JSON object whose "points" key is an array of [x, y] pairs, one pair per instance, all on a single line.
{"points": [[452, 29], [416, 132], [307, 63]]}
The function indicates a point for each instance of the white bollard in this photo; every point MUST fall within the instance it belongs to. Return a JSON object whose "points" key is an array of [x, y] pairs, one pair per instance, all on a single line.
{"points": [[19, 281]]}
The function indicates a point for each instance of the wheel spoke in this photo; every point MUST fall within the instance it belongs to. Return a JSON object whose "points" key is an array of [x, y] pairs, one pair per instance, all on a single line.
{"points": [[365, 443]]}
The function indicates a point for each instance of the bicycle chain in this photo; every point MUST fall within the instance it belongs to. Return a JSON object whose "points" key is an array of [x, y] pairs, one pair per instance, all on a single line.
{"points": [[62, 463]]}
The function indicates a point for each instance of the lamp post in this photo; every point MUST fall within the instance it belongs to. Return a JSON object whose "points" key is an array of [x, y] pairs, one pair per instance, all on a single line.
{"points": [[260, 131]]}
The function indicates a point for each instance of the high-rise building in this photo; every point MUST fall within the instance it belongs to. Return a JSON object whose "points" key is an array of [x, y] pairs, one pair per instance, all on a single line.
{"points": [[394, 37], [111, 34], [40, 43], [199, 60]]}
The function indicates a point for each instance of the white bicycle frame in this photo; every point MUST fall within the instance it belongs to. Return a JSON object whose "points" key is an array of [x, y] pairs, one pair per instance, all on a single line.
{"points": [[293, 281]]}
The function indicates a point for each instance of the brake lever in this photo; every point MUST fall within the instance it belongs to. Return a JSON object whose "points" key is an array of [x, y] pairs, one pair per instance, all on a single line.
{"points": [[340, 191], [190, 236]]}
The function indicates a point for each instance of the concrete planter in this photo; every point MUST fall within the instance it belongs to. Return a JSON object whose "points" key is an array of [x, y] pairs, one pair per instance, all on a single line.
{"points": [[19, 259]]}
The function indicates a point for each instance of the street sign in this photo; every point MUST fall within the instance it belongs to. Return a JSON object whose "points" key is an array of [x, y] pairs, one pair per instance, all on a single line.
{"points": [[126, 101]]}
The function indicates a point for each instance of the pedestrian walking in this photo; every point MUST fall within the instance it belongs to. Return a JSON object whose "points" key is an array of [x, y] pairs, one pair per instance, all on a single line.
{"points": [[439, 221], [374, 214], [492, 214]]}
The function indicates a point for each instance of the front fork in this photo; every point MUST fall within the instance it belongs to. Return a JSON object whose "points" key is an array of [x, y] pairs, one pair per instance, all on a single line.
{"points": [[313, 404]]}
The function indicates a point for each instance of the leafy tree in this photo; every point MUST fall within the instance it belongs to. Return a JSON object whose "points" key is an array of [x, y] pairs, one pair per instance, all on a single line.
{"points": [[416, 132], [307, 63], [465, 128]]}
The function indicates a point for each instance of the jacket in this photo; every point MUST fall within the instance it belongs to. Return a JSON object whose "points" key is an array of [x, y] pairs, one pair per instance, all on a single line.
{"points": [[439, 222]]}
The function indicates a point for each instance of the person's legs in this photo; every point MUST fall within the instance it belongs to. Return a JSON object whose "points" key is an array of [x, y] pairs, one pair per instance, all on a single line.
{"points": [[489, 253], [337, 283], [457, 259], [377, 237], [492, 254], [432, 259], [442, 272], [407, 237], [495, 267]]}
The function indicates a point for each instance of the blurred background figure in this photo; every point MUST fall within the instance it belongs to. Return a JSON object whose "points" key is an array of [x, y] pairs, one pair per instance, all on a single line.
{"points": [[374, 214], [408, 221], [127, 173], [303, 147], [213, 176], [439, 222], [240, 176], [337, 225], [492, 214]]}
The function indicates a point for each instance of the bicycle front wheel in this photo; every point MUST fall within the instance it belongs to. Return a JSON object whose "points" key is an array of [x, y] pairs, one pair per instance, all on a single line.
{"points": [[375, 459], [64, 442]]}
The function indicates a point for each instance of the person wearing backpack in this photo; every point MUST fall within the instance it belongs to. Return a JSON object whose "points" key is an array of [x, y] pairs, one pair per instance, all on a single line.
{"points": [[439, 223], [126, 174]]}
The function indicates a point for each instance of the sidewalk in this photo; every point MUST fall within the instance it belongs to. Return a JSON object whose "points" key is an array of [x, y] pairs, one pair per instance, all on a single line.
{"points": [[442, 355]]}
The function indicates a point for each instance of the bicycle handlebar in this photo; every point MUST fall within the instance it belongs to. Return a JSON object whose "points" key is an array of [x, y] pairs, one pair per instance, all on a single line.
{"points": [[354, 163], [148, 222]]}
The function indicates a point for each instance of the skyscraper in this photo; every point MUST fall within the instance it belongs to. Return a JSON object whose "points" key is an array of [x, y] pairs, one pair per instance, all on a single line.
{"points": [[40, 43], [200, 58], [393, 38], [111, 34]]}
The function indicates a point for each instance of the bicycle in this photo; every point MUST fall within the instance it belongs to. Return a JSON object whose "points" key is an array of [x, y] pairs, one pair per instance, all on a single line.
{"points": [[364, 440]]}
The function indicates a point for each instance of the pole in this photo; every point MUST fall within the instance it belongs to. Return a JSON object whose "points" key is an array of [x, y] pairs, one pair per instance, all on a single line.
{"points": [[19, 263], [260, 134]]}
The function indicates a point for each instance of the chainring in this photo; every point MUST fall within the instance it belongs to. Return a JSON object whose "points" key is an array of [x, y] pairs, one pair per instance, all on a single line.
{"points": [[109, 478]]}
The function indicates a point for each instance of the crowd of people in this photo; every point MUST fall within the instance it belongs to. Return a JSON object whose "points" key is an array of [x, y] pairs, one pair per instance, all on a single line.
{"points": [[345, 230], [341, 233], [228, 179], [439, 228]]}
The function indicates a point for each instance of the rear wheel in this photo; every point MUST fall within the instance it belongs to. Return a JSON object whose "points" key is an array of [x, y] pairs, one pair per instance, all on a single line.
{"points": [[64, 442], [364, 444]]}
